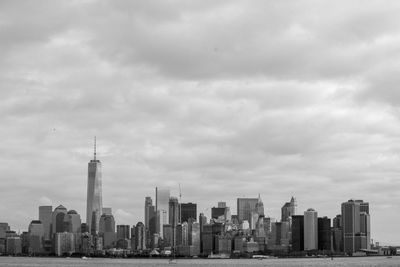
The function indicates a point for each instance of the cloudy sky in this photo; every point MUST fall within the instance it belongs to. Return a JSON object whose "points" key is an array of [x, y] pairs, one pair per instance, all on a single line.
{"points": [[227, 98]]}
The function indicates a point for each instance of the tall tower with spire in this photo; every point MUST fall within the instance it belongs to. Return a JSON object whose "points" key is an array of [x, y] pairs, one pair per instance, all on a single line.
{"points": [[94, 202], [260, 206]]}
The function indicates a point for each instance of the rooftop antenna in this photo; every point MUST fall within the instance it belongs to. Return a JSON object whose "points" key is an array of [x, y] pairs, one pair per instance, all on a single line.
{"points": [[95, 148], [180, 193], [180, 204]]}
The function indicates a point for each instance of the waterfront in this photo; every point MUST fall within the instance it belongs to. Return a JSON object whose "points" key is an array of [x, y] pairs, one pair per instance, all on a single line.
{"points": [[77, 262]]}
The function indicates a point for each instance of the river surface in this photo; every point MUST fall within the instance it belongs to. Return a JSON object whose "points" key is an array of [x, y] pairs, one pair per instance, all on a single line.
{"points": [[77, 262]]}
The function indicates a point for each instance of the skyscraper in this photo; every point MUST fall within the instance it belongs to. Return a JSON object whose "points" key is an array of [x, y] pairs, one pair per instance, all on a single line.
{"points": [[58, 219], [107, 230], [36, 237], [310, 229], [259, 206], [324, 234], [244, 208], [45, 214], [148, 203], [72, 222], [162, 208], [94, 194], [356, 225], [297, 232], [188, 210], [140, 238], [288, 210], [173, 218], [123, 232]]}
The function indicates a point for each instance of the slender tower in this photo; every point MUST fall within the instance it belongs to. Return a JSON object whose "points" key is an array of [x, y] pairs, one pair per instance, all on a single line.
{"points": [[94, 194]]}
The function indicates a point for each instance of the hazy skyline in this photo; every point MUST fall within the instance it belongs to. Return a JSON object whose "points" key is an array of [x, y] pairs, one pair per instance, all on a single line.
{"points": [[227, 98]]}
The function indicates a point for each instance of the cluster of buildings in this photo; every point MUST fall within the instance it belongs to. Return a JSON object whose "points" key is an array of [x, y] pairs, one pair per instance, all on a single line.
{"points": [[174, 228]]}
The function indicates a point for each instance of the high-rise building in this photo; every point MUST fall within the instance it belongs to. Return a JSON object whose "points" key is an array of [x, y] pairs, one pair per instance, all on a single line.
{"points": [[365, 225], [267, 224], [244, 208], [123, 232], [297, 232], [217, 212], [4, 227], [188, 210], [140, 236], [324, 234], [356, 225], [288, 210], [107, 230], [58, 219], [45, 216], [259, 209], [36, 237], [162, 208], [221, 204], [207, 239], [64, 243], [94, 202], [173, 218], [310, 230], [72, 222], [202, 222], [280, 235], [148, 202]]}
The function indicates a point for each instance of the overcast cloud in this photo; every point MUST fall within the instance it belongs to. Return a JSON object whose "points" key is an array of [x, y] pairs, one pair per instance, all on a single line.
{"points": [[227, 98]]}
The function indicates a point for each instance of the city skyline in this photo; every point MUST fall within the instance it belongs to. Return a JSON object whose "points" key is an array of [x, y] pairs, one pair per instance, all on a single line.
{"points": [[229, 100]]}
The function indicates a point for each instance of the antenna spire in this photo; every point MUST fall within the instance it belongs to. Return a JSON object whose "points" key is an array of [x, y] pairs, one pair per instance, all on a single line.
{"points": [[95, 148]]}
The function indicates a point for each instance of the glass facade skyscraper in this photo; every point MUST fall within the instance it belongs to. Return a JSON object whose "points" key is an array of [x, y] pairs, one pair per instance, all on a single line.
{"points": [[94, 202]]}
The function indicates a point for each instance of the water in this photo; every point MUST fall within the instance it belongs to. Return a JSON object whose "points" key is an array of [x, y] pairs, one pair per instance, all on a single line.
{"points": [[76, 262]]}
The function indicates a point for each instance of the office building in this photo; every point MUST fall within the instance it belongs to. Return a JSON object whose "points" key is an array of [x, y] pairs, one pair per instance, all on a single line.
{"points": [[123, 232], [356, 226], [324, 234], [140, 236], [45, 216], [244, 208], [36, 237], [162, 209], [168, 238], [150, 218], [310, 230], [174, 217], [188, 210], [216, 213], [72, 222], [194, 237], [57, 221], [107, 230], [64, 243], [297, 233], [94, 204], [288, 210], [13, 245]]}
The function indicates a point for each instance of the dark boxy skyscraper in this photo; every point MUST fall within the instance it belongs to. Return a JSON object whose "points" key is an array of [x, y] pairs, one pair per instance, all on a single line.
{"points": [[216, 212], [356, 225], [297, 232], [324, 233], [94, 202], [188, 210]]}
